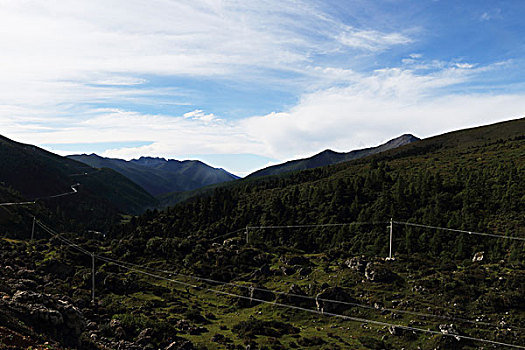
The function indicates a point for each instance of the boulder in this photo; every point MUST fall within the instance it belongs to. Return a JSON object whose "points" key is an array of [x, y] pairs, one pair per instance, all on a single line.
{"points": [[287, 270], [324, 304], [357, 263], [145, 336], [26, 296], [478, 257], [377, 272]]}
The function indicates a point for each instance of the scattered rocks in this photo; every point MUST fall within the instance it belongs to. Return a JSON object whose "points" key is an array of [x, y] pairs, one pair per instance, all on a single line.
{"points": [[449, 329], [357, 263], [47, 313]]}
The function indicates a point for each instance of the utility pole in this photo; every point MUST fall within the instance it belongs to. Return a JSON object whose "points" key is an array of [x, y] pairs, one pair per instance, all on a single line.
{"points": [[391, 229], [33, 228], [93, 278], [246, 235]]}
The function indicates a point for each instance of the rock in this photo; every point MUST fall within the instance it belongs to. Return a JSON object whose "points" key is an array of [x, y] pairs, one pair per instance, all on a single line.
{"points": [[295, 260], [25, 273], [197, 330], [377, 272], [449, 329], [119, 333], [397, 331], [183, 325], [217, 338], [333, 293], [49, 316], [27, 296], [287, 271], [295, 297], [180, 344], [478, 256], [357, 263], [73, 317], [114, 323], [145, 336]]}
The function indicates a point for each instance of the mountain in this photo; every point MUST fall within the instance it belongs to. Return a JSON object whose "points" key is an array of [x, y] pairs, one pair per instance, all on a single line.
{"points": [[158, 175], [329, 157], [437, 175], [297, 260], [30, 173], [324, 233]]}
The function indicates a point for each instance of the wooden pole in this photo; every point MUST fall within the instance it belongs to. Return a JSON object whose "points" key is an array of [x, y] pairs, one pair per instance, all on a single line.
{"points": [[93, 278], [33, 228], [391, 229]]}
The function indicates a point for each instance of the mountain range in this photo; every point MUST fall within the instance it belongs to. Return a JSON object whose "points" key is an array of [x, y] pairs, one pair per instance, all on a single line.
{"points": [[329, 157], [312, 240], [29, 173], [160, 176]]}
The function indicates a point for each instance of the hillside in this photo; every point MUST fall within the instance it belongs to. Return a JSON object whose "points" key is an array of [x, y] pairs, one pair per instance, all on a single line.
{"points": [[298, 260], [34, 173], [160, 176], [329, 157], [471, 180]]}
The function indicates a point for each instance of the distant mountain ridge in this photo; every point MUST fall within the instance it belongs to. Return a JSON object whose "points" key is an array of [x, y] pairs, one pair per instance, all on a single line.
{"points": [[159, 175], [329, 157], [29, 173]]}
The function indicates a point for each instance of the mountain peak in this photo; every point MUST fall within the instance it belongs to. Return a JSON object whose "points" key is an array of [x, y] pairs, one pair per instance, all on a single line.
{"points": [[159, 175], [328, 157]]}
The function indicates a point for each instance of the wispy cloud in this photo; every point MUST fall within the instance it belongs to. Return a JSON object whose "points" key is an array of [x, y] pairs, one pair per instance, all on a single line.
{"points": [[490, 15], [370, 109], [373, 40], [85, 71]]}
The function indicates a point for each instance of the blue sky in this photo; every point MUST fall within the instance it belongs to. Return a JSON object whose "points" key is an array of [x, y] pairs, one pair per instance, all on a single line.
{"points": [[246, 84]]}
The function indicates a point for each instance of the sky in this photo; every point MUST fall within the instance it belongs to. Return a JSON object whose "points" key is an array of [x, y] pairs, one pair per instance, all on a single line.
{"points": [[244, 84]]}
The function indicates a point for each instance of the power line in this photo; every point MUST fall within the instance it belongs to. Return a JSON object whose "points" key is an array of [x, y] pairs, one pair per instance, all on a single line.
{"points": [[227, 234], [61, 238], [16, 203], [350, 318], [460, 231], [211, 281], [317, 225]]}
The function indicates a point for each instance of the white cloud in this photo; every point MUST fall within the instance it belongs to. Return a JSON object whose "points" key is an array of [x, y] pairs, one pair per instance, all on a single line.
{"points": [[490, 15], [62, 59], [373, 40], [465, 65], [199, 114], [370, 110]]}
